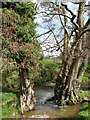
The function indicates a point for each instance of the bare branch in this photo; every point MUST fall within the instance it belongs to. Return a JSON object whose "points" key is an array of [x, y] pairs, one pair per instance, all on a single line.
{"points": [[43, 34], [62, 21], [76, 42], [87, 24], [84, 31], [49, 48], [56, 40], [73, 15], [54, 14], [50, 2], [75, 2], [46, 38]]}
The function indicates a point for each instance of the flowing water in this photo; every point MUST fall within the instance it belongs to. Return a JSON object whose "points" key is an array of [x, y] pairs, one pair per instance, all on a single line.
{"points": [[47, 109]]}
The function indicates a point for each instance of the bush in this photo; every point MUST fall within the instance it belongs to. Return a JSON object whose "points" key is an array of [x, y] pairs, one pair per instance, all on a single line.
{"points": [[49, 69], [10, 79]]}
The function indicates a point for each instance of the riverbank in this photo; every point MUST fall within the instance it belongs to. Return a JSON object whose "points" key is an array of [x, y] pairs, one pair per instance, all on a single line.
{"points": [[46, 79], [9, 104], [48, 109], [43, 109]]}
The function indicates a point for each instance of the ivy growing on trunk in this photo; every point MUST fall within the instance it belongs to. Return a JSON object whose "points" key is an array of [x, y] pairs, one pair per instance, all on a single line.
{"points": [[20, 49]]}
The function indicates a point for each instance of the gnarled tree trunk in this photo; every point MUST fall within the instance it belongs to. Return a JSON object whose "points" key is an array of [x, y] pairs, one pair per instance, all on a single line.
{"points": [[67, 85], [70, 77], [27, 99]]}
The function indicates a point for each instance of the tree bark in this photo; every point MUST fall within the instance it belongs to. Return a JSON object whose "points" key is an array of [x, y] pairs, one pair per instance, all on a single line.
{"points": [[27, 99], [70, 77]]}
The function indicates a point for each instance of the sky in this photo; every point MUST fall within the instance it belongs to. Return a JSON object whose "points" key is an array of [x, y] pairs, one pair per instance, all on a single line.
{"points": [[36, 1], [41, 30]]}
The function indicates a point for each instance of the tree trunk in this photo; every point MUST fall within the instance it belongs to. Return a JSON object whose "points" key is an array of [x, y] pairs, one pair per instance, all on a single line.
{"points": [[67, 85], [70, 77], [27, 99]]}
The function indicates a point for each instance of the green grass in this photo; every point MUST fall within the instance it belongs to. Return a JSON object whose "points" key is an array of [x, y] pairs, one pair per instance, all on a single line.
{"points": [[0, 112], [84, 112], [51, 61], [11, 96], [10, 102], [85, 78], [86, 74], [8, 110], [84, 93]]}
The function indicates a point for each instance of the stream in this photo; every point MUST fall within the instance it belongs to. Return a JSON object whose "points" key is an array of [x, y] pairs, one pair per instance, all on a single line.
{"points": [[47, 109]]}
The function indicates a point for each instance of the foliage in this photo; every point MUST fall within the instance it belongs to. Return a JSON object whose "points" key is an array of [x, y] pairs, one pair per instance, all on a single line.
{"points": [[88, 68], [85, 76], [7, 90], [82, 95], [11, 78], [84, 111], [20, 48], [48, 71]]}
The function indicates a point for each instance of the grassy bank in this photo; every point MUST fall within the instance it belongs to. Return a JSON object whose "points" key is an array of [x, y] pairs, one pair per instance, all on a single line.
{"points": [[9, 103], [49, 69]]}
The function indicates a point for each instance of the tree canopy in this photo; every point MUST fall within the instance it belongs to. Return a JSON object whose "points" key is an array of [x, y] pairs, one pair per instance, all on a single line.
{"points": [[71, 40], [20, 47]]}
